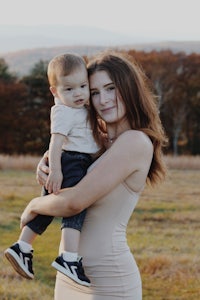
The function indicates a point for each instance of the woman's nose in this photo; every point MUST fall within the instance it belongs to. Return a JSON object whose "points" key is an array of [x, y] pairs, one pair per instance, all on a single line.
{"points": [[103, 98]]}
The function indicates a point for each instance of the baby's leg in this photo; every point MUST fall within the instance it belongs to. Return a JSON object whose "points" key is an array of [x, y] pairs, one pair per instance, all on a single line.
{"points": [[74, 168], [20, 254], [71, 230], [69, 262], [70, 238], [27, 235]]}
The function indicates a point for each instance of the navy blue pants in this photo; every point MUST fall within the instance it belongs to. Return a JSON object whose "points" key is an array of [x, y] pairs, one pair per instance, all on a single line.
{"points": [[74, 168]]}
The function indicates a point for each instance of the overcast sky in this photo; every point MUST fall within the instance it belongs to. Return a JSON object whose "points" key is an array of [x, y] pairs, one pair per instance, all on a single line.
{"points": [[159, 19]]}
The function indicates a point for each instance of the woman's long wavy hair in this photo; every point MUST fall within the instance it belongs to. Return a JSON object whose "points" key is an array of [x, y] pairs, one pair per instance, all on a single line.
{"points": [[141, 107]]}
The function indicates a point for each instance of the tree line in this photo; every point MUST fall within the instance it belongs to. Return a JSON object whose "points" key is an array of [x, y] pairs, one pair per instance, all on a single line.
{"points": [[175, 78]]}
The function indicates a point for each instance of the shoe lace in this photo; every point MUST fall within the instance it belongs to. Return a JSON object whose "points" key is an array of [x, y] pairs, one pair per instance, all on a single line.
{"points": [[80, 266], [30, 263]]}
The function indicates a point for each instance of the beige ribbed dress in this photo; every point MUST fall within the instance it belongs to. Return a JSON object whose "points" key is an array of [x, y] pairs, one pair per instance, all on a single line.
{"points": [[107, 259]]}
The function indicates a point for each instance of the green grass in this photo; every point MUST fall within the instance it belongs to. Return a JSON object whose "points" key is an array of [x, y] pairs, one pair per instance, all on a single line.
{"points": [[163, 234]]}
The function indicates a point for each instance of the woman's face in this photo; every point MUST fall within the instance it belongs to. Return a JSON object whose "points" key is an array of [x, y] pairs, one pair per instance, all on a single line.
{"points": [[105, 98]]}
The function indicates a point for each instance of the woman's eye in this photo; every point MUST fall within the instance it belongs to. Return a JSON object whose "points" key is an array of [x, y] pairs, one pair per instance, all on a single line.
{"points": [[94, 93], [110, 88]]}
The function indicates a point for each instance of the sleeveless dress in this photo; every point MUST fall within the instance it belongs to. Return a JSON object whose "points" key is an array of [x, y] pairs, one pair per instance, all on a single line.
{"points": [[107, 259]]}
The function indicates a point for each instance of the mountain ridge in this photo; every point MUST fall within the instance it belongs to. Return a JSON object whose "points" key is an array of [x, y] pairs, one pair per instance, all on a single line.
{"points": [[19, 37], [21, 62], [23, 46]]}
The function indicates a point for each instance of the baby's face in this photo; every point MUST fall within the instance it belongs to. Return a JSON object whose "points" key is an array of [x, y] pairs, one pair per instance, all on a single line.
{"points": [[73, 89]]}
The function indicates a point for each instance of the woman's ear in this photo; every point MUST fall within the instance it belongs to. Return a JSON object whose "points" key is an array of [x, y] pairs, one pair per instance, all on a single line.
{"points": [[53, 90]]}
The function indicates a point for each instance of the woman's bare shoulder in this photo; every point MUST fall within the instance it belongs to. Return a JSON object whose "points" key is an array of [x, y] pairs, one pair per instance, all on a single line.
{"points": [[136, 139], [137, 147], [139, 153]]}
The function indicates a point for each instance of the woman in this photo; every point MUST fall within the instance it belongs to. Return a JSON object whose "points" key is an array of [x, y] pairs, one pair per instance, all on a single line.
{"points": [[125, 119]]}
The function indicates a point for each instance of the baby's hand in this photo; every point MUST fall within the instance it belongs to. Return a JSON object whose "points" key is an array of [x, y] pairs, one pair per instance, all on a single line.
{"points": [[54, 182]]}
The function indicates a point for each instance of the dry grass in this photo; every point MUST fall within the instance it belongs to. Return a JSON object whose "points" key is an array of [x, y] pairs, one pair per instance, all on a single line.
{"points": [[18, 162], [163, 234], [14, 287], [28, 162], [183, 162]]}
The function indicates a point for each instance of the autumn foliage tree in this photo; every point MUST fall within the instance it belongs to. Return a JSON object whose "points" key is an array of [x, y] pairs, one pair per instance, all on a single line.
{"points": [[176, 82], [12, 98], [25, 104], [37, 109]]}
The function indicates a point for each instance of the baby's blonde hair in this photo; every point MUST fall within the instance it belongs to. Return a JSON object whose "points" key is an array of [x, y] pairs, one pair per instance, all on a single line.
{"points": [[63, 65]]}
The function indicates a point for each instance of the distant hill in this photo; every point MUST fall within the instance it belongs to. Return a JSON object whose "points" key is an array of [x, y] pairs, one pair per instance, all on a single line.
{"points": [[175, 46], [21, 62], [23, 46], [19, 37]]}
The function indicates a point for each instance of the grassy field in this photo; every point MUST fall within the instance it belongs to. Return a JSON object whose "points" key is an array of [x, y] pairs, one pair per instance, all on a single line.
{"points": [[163, 234]]}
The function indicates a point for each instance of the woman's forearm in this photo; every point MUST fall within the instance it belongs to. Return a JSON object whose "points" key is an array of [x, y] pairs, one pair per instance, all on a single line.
{"points": [[60, 205], [51, 205]]}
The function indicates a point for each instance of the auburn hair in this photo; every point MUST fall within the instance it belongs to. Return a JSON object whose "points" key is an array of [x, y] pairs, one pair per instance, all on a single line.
{"points": [[141, 106]]}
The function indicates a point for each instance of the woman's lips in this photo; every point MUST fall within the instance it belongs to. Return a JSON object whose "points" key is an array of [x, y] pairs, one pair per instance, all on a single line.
{"points": [[107, 110]]}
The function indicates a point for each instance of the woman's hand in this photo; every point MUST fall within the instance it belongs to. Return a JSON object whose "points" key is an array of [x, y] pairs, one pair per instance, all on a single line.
{"points": [[42, 169], [27, 215]]}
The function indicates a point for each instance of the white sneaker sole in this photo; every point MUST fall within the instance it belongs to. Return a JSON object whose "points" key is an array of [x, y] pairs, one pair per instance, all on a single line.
{"points": [[70, 275], [15, 261]]}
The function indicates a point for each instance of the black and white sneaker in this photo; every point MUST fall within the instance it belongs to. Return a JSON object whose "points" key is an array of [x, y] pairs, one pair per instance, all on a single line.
{"points": [[74, 270], [21, 262]]}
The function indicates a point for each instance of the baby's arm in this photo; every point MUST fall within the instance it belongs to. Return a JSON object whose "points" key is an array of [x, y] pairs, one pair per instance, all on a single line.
{"points": [[55, 176]]}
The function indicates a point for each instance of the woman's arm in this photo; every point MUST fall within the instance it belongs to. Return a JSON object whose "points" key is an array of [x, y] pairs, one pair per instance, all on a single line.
{"points": [[130, 153]]}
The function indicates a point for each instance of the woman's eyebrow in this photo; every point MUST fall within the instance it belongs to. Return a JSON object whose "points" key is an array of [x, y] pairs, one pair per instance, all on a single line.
{"points": [[105, 85], [110, 83]]}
